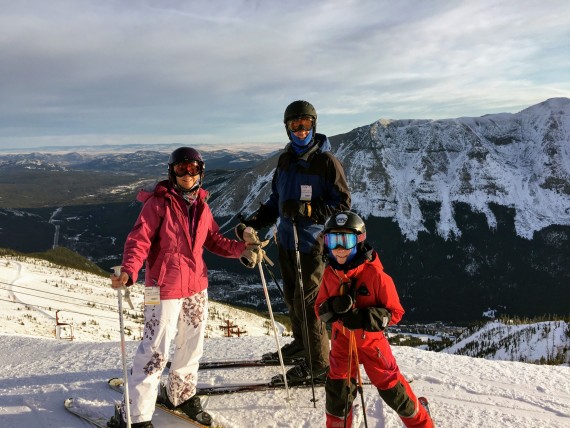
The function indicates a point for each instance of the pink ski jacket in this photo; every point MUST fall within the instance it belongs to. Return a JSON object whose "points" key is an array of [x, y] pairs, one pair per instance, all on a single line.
{"points": [[172, 247]]}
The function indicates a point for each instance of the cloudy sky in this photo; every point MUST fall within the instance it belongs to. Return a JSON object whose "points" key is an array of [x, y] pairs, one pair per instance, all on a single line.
{"points": [[193, 72]]}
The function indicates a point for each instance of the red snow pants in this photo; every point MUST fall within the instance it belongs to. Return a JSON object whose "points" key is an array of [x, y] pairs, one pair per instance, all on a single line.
{"points": [[375, 354]]}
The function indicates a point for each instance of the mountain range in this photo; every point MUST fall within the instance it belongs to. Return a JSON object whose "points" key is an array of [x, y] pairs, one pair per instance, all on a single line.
{"points": [[468, 214], [520, 161]]}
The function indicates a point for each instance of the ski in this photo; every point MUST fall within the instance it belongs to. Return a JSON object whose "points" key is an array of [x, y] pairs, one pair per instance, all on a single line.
{"points": [[94, 413], [91, 414], [228, 364], [183, 417], [117, 385]]}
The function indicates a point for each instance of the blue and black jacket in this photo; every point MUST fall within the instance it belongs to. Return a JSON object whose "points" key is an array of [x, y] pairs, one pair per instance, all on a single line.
{"points": [[321, 175]]}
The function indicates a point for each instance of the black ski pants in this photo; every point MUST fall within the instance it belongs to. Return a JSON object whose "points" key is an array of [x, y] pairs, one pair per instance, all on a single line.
{"points": [[312, 267]]}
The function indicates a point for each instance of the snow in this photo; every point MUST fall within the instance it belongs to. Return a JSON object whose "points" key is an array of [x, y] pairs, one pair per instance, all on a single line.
{"points": [[39, 372]]}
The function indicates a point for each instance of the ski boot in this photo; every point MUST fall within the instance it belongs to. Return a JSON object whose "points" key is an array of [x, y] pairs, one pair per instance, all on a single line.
{"points": [[191, 408], [292, 352], [117, 421]]}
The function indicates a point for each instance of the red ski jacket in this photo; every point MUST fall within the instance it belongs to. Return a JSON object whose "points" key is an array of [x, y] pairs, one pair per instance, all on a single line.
{"points": [[374, 288]]}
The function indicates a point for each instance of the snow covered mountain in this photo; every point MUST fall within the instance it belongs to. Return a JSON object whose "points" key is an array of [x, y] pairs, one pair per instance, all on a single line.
{"points": [[466, 210], [39, 372], [520, 161]]}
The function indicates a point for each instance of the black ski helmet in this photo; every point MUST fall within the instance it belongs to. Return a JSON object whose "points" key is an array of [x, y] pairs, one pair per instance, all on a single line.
{"points": [[346, 220], [185, 154], [300, 108]]}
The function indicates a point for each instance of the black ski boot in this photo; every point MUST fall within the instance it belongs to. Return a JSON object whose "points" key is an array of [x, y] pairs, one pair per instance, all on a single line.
{"points": [[117, 421], [191, 408], [300, 374], [291, 352]]}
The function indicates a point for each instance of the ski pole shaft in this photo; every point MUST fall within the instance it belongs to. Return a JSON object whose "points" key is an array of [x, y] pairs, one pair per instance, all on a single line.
{"points": [[360, 387], [117, 270], [274, 280], [266, 292], [348, 380], [302, 289]]}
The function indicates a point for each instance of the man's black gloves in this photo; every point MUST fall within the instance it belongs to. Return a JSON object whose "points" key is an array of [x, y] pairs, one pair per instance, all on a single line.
{"points": [[259, 219], [341, 304], [292, 208]]}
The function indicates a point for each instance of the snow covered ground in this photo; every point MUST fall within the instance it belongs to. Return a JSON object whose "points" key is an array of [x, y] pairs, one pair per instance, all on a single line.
{"points": [[39, 372]]}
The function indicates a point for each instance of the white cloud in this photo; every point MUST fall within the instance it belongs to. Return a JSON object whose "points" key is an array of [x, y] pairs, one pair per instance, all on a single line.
{"points": [[172, 67]]}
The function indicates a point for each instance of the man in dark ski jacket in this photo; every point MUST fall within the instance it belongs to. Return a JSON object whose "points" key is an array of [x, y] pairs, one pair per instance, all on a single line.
{"points": [[308, 186]]}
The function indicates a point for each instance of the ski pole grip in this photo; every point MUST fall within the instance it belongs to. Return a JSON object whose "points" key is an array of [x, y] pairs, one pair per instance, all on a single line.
{"points": [[117, 270], [127, 294]]}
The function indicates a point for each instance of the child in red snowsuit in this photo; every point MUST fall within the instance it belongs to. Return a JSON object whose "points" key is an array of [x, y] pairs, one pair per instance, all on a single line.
{"points": [[360, 300]]}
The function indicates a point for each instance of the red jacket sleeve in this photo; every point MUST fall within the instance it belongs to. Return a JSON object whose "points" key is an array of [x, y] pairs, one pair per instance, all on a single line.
{"points": [[218, 243], [324, 292], [139, 240], [388, 297]]}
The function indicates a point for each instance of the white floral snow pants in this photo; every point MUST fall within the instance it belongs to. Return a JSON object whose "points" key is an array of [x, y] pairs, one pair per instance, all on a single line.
{"points": [[181, 320]]}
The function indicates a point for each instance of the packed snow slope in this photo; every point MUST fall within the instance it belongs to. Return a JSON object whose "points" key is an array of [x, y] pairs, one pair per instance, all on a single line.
{"points": [[38, 372]]}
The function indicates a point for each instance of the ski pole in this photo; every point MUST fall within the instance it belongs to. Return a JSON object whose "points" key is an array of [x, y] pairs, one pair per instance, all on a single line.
{"points": [[117, 272], [274, 280], [348, 380], [360, 387], [266, 292], [302, 289]]}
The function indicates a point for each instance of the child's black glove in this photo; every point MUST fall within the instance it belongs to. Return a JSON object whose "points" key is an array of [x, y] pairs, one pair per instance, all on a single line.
{"points": [[369, 319], [331, 309], [354, 319], [341, 304]]}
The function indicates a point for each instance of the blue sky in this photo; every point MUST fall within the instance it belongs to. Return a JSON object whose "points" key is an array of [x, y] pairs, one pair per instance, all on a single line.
{"points": [[192, 72]]}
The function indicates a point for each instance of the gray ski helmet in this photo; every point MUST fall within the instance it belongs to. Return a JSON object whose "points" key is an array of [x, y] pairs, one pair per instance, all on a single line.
{"points": [[300, 108], [346, 220]]}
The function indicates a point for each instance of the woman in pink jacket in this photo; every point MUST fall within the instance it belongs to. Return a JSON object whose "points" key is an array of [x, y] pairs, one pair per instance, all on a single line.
{"points": [[174, 226]]}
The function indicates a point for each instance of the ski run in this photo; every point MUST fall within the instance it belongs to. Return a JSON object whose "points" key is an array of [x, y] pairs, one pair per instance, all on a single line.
{"points": [[38, 373]]}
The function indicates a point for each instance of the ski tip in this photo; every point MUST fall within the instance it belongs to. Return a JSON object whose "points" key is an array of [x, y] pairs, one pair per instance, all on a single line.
{"points": [[115, 381]]}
